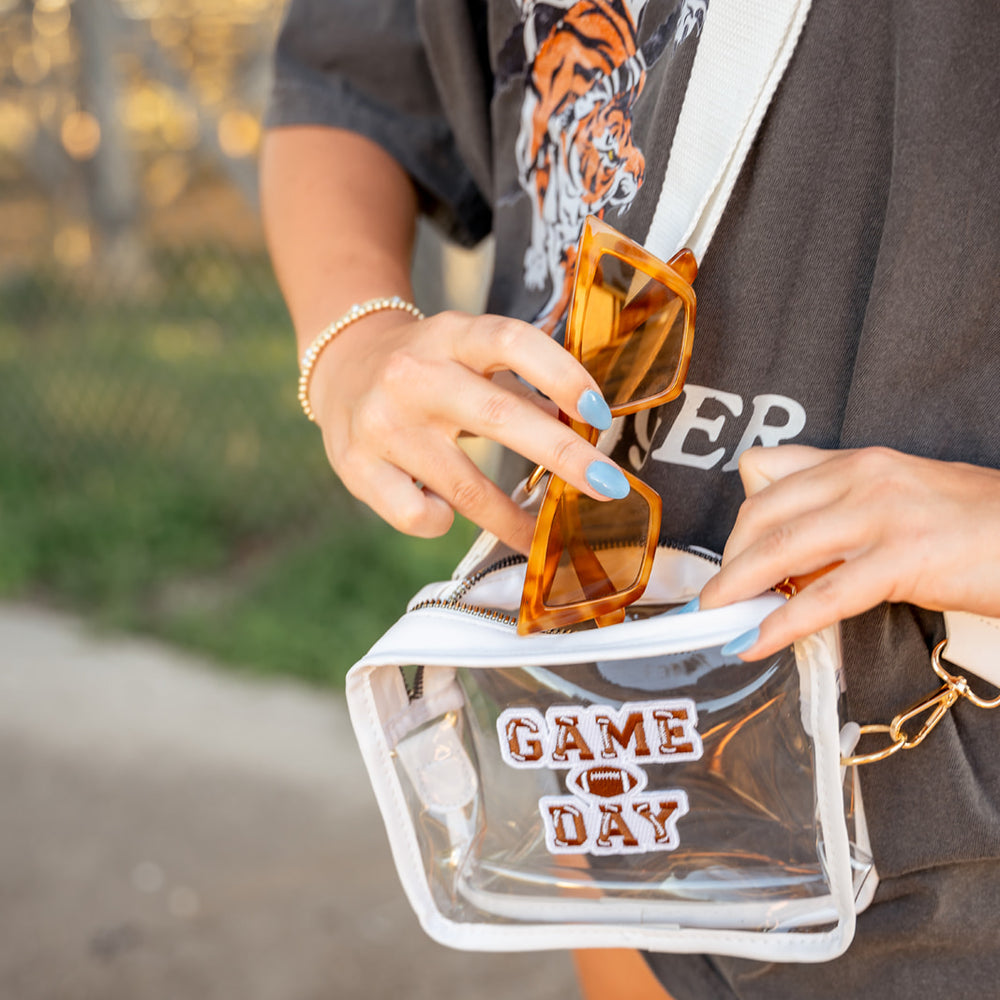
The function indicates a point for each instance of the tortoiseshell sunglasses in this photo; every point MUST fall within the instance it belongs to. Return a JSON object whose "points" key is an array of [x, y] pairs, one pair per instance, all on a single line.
{"points": [[631, 325]]}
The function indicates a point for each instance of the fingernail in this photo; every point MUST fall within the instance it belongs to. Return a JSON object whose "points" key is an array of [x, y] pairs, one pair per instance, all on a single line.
{"points": [[741, 643], [607, 480], [687, 608], [594, 410]]}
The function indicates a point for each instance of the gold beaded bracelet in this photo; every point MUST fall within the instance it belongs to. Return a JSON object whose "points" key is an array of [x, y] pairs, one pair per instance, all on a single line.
{"points": [[356, 312]]}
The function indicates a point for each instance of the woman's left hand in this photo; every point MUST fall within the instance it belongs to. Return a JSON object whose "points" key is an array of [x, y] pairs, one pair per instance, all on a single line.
{"points": [[876, 524]]}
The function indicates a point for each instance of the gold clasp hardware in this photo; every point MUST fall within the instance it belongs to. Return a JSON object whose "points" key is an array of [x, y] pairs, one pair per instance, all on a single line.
{"points": [[870, 758], [960, 684], [937, 704]]}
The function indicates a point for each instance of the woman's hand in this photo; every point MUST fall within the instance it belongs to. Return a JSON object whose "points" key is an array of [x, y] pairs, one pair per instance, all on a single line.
{"points": [[393, 394], [884, 526]]}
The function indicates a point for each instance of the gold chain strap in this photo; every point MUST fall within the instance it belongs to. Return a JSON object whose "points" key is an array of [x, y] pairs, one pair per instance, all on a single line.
{"points": [[935, 706]]}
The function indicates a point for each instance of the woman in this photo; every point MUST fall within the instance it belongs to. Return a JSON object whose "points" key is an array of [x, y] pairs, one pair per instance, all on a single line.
{"points": [[847, 318]]}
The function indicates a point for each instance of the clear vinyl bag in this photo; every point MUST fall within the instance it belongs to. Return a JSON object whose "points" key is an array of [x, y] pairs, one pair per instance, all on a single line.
{"points": [[628, 786]]}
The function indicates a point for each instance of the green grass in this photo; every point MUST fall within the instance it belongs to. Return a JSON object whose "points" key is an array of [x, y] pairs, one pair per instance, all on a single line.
{"points": [[156, 474], [317, 608]]}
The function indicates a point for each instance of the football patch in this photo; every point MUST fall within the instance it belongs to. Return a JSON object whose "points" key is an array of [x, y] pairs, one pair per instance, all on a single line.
{"points": [[604, 782]]}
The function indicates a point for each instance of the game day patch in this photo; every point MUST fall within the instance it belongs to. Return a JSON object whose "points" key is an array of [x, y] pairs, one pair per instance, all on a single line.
{"points": [[609, 809]]}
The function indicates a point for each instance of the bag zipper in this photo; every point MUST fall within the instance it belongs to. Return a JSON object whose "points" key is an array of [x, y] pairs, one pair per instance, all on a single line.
{"points": [[454, 602], [414, 689], [513, 559]]}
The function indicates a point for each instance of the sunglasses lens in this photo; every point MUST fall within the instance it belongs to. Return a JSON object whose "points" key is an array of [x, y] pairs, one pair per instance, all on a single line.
{"points": [[595, 547], [633, 333]]}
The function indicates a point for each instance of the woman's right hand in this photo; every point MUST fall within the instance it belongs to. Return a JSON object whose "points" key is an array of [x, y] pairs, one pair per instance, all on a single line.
{"points": [[392, 395]]}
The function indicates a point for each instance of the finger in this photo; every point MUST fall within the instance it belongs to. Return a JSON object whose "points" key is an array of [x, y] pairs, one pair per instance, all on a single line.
{"points": [[509, 381], [494, 343], [848, 590], [808, 543], [451, 476], [474, 404], [770, 512], [398, 499], [761, 467]]}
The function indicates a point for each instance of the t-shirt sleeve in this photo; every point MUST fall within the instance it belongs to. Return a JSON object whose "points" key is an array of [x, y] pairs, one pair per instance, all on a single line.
{"points": [[360, 65]]}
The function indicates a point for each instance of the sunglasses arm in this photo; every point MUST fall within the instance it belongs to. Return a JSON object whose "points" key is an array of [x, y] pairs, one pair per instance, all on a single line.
{"points": [[685, 264]]}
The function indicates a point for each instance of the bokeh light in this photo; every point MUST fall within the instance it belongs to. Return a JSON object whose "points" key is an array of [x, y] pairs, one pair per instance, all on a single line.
{"points": [[17, 127], [165, 179], [172, 89], [31, 63], [72, 245], [239, 133], [50, 19], [80, 134]]}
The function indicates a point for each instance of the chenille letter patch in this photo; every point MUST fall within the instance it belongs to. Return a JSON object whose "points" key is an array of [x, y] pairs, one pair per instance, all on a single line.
{"points": [[603, 750]]}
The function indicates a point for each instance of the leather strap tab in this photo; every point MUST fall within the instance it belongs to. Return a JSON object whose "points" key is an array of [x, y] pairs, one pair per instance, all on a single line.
{"points": [[974, 644]]}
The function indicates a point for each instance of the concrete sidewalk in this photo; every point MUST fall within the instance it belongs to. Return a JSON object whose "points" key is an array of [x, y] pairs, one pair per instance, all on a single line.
{"points": [[170, 832]]}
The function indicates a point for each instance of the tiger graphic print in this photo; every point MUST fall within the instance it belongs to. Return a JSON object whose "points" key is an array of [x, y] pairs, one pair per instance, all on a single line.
{"points": [[584, 71]]}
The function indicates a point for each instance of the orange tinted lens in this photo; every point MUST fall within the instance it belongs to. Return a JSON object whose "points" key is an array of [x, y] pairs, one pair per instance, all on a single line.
{"points": [[596, 547], [633, 332]]}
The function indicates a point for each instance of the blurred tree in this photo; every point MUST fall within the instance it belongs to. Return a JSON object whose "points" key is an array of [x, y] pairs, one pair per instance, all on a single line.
{"points": [[112, 189], [114, 111], [240, 170]]}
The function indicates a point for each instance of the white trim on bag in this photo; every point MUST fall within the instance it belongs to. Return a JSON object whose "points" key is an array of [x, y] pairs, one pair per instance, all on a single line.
{"points": [[446, 637]]}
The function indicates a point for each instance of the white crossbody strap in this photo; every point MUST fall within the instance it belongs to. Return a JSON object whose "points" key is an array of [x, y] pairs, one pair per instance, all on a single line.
{"points": [[742, 54]]}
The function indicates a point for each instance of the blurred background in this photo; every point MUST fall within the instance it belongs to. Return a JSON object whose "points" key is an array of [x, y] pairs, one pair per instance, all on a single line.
{"points": [[155, 469], [183, 583]]}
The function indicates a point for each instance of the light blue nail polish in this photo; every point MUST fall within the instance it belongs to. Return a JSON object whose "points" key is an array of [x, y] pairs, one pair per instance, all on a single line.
{"points": [[607, 480], [594, 410], [687, 608], [741, 643]]}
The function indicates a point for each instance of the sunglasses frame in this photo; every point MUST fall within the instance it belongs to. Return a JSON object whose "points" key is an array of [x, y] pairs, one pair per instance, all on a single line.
{"points": [[598, 240]]}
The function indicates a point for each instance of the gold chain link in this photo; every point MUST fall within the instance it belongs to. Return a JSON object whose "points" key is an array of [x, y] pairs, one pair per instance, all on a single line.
{"points": [[935, 706]]}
